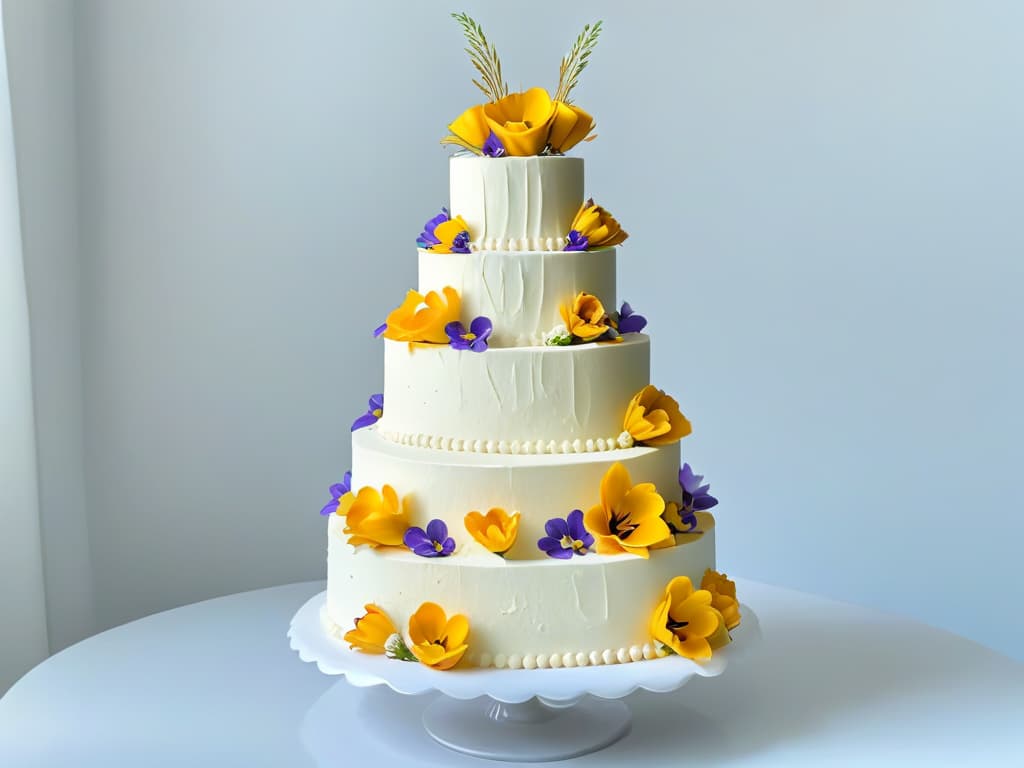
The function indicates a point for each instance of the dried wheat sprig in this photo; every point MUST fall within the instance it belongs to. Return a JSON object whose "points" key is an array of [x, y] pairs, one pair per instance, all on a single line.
{"points": [[453, 139], [576, 61], [484, 58]]}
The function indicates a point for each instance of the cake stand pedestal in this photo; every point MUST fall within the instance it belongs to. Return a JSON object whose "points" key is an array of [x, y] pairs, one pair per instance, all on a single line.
{"points": [[523, 715]]}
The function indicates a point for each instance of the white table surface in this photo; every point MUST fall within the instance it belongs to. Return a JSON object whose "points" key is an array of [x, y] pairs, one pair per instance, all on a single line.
{"points": [[215, 684]]}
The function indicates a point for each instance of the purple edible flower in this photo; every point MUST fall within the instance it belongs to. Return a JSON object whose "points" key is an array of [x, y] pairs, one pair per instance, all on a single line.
{"points": [[475, 338], [433, 542], [379, 330], [630, 321], [576, 242], [566, 537], [337, 491], [493, 146], [374, 412], [426, 238], [460, 243], [695, 497]]}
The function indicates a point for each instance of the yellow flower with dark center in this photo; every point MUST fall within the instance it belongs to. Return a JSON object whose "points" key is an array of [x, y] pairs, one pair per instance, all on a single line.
{"points": [[497, 530], [654, 418], [598, 226], [586, 318], [375, 518], [628, 519], [723, 596], [423, 318], [372, 631], [685, 621], [525, 123], [438, 641]]}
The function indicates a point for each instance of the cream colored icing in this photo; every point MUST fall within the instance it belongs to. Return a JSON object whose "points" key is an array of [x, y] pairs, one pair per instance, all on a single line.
{"points": [[512, 400], [522, 293], [589, 610], [448, 485], [516, 203]]}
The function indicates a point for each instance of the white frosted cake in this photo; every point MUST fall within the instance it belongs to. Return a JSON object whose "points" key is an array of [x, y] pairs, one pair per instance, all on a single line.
{"points": [[516, 497]]}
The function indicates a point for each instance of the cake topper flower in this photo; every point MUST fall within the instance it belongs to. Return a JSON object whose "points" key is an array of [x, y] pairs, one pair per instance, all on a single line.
{"points": [[628, 519], [528, 123], [567, 537], [337, 491], [474, 339], [585, 318], [723, 596], [593, 227], [423, 318], [443, 234], [433, 542], [654, 418], [628, 321], [373, 412], [438, 641], [682, 518], [371, 632], [375, 518], [685, 622], [496, 531]]}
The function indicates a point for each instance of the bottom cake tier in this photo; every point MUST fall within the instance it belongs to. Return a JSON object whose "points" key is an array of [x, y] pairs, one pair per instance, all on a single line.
{"points": [[592, 609]]}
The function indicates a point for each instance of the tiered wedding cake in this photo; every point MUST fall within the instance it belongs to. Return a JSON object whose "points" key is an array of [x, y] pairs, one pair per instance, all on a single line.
{"points": [[516, 498]]}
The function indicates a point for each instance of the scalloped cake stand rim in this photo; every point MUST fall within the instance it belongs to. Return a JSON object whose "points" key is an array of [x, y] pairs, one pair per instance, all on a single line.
{"points": [[557, 687]]}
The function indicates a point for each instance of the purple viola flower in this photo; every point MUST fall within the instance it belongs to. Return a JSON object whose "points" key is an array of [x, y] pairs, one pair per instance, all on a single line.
{"points": [[427, 238], [566, 538], [493, 146], [373, 413], [337, 491], [433, 542], [630, 321], [475, 338], [379, 330], [695, 498], [576, 242], [460, 243]]}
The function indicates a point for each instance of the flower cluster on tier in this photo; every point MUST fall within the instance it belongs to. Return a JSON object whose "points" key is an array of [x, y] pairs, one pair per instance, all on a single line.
{"points": [[434, 319], [444, 234], [653, 418], [593, 227], [686, 623], [585, 320], [435, 639], [374, 518]]}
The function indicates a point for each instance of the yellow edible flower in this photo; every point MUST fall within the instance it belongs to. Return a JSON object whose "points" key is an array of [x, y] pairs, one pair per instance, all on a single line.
{"points": [[586, 318], [438, 641], [497, 530], [525, 123], [375, 518], [723, 596], [685, 621], [423, 318], [654, 418], [628, 519], [372, 631], [598, 226], [446, 232]]}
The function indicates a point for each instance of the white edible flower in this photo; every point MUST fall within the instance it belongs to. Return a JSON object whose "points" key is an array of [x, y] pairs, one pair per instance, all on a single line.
{"points": [[558, 336]]}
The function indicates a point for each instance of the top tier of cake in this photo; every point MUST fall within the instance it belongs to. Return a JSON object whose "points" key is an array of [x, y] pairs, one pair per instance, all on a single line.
{"points": [[517, 203]]}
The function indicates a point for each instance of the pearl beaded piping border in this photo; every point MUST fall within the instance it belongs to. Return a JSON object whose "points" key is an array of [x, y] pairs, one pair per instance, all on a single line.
{"points": [[607, 656], [513, 447], [519, 244]]}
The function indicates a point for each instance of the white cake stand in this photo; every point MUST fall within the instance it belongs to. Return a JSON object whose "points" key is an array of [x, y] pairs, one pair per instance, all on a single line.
{"points": [[524, 715]]}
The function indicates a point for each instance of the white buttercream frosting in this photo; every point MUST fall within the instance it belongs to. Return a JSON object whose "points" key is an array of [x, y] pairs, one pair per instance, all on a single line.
{"points": [[522, 293], [512, 400], [517, 203]]}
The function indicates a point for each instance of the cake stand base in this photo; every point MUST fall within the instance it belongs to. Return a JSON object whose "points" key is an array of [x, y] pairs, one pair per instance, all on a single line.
{"points": [[531, 732]]}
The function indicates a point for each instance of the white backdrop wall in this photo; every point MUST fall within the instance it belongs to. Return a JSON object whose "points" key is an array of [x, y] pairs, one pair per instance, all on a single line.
{"points": [[824, 207]]}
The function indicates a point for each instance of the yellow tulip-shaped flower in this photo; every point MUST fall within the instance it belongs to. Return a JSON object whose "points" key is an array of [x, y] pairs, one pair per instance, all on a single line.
{"points": [[497, 530], [521, 121], [438, 641], [570, 126], [628, 519], [586, 318], [723, 596], [423, 318], [372, 631], [597, 225], [654, 418], [375, 518], [685, 621]]}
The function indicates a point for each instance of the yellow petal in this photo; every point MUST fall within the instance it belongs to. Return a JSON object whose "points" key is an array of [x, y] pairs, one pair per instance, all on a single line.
{"points": [[471, 126], [569, 127], [427, 624], [614, 486], [522, 121], [457, 630], [595, 520]]}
